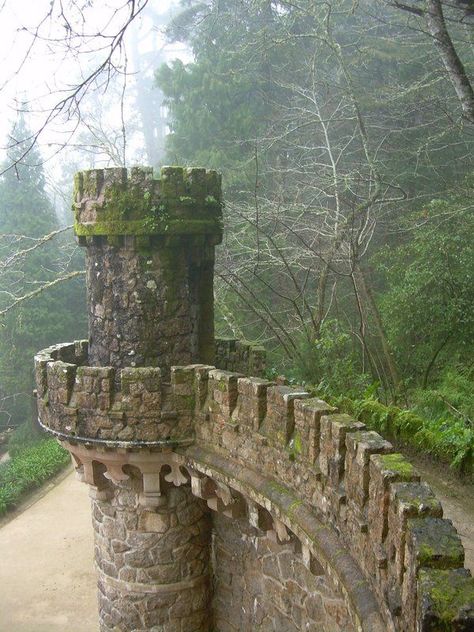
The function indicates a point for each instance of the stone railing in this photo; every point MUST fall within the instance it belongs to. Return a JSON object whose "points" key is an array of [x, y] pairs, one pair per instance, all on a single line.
{"points": [[342, 490], [135, 405]]}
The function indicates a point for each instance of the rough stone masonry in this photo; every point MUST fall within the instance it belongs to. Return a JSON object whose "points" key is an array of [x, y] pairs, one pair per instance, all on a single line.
{"points": [[223, 502]]}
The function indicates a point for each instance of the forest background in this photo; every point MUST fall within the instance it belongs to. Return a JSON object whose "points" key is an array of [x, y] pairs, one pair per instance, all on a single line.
{"points": [[344, 133]]}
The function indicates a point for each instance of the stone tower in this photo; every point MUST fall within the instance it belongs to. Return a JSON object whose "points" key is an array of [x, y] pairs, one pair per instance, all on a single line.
{"points": [[221, 501], [149, 264]]}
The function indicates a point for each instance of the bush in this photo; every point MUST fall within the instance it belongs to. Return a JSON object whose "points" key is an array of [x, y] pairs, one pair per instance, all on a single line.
{"points": [[332, 362], [27, 470]]}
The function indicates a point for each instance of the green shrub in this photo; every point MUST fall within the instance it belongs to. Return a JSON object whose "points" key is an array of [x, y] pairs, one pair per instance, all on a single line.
{"points": [[332, 362], [447, 438], [453, 396], [27, 470]]}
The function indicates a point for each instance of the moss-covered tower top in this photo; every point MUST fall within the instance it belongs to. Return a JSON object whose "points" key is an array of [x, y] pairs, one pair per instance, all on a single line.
{"points": [[149, 264], [114, 202]]}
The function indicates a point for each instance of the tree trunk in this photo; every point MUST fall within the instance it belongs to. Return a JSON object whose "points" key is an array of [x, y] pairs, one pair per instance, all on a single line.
{"points": [[454, 67], [387, 354]]}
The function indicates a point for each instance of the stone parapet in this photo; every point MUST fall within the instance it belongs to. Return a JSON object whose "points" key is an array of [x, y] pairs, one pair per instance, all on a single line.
{"points": [[367, 492], [364, 490], [110, 405], [240, 356]]}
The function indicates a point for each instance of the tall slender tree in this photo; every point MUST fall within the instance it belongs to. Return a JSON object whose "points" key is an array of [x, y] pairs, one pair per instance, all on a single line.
{"points": [[31, 260]]}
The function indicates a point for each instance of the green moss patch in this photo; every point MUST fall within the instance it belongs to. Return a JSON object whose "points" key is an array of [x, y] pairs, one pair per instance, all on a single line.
{"points": [[397, 463], [448, 599]]}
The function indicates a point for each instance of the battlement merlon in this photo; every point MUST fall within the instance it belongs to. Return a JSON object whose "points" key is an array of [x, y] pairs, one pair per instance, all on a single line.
{"points": [[119, 202]]}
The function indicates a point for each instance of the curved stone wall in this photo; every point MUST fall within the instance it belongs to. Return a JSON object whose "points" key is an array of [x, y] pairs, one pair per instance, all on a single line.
{"points": [[264, 585], [288, 468]]}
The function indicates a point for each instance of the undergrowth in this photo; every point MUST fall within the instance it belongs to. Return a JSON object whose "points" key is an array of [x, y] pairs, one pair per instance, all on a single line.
{"points": [[446, 438], [437, 422], [28, 469]]}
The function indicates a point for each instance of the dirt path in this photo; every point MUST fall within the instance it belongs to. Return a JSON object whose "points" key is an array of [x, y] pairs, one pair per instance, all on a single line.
{"points": [[47, 575]]}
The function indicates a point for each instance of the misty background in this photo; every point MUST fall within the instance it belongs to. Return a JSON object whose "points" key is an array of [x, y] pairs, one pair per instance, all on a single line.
{"points": [[344, 133]]}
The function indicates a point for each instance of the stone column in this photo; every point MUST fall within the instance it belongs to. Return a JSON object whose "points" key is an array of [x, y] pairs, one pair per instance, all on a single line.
{"points": [[153, 566], [150, 258]]}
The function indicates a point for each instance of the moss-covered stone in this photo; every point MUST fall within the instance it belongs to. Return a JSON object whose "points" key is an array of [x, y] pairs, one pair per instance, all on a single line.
{"points": [[107, 203], [397, 464], [295, 447], [150, 225], [434, 543], [446, 601]]}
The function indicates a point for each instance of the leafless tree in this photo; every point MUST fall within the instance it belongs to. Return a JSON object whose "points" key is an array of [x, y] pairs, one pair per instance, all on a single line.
{"points": [[88, 38]]}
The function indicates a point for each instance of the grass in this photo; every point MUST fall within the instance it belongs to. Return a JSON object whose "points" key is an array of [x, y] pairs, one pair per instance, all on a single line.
{"points": [[28, 469]]}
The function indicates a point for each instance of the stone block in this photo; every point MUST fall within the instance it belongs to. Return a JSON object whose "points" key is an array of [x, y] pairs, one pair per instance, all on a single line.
{"points": [[279, 422], [406, 500], [60, 379], [222, 395], [430, 543], [445, 601], [306, 437], [385, 469], [251, 404], [359, 447], [334, 429]]}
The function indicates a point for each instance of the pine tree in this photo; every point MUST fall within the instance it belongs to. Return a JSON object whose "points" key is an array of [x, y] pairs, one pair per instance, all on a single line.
{"points": [[26, 264]]}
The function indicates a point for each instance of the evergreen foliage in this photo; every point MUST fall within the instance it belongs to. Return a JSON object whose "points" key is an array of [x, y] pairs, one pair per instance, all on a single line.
{"points": [[348, 177], [27, 264]]}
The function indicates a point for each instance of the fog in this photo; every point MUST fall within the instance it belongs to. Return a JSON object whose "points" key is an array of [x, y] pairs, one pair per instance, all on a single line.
{"points": [[48, 55]]}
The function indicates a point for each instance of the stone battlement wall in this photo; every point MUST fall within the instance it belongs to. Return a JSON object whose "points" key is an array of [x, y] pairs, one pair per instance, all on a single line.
{"points": [[90, 402], [389, 520], [293, 454], [240, 356], [129, 404]]}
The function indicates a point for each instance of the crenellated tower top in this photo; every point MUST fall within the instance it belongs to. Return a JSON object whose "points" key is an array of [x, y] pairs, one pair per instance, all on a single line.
{"points": [[138, 202], [149, 263]]}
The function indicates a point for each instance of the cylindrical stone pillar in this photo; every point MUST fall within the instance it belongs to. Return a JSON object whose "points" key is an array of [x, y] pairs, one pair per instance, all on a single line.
{"points": [[150, 259], [153, 567]]}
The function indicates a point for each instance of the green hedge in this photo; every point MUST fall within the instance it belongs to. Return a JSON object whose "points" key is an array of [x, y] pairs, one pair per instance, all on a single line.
{"points": [[28, 469], [449, 439]]}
